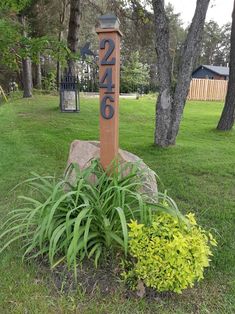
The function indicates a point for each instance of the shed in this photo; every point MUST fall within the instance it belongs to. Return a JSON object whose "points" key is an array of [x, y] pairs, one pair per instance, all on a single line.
{"points": [[211, 72]]}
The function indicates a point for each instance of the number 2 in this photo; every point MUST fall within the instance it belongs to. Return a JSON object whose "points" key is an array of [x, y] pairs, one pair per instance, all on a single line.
{"points": [[111, 44]]}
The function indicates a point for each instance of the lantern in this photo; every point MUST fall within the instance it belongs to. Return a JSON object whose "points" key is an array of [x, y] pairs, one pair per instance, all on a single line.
{"points": [[109, 21], [69, 96]]}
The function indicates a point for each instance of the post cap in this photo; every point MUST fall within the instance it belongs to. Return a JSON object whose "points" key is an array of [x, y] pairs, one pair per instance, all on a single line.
{"points": [[109, 21]]}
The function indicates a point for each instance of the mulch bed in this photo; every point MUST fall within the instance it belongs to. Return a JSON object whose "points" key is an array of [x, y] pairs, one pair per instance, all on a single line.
{"points": [[105, 279]]}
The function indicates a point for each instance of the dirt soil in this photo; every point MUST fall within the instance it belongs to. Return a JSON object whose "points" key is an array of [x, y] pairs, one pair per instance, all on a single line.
{"points": [[105, 280]]}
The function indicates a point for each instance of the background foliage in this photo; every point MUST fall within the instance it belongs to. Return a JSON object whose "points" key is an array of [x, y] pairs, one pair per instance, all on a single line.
{"points": [[47, 24]]}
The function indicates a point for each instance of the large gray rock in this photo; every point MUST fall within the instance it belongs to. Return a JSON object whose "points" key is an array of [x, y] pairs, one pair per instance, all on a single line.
{"points": [[83, 152]]}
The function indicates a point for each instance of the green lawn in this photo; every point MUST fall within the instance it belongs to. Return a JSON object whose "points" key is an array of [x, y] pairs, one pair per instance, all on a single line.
{"points": [[199, 173]]}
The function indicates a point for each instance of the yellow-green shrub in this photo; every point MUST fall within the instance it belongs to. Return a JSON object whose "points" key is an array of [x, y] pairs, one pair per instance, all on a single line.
{"points": [[169, 255]]}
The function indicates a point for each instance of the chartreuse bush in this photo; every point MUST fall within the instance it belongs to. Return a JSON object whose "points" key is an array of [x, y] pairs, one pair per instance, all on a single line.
{"points": [[169, 254], [69, 221]]}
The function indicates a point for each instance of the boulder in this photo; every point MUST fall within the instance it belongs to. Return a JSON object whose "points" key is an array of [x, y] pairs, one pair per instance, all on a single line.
{"points": [[83, 152]]}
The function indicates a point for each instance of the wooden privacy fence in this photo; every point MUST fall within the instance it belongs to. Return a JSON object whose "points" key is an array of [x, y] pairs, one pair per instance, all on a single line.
{"points": [[205, 89]]}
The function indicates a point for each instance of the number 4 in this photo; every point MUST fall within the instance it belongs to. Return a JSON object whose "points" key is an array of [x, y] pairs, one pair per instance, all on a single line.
{"points": [[108, 78]]}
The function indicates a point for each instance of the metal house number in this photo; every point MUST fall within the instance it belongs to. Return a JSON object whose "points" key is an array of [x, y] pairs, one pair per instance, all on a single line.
{"points": [[106, 108]]}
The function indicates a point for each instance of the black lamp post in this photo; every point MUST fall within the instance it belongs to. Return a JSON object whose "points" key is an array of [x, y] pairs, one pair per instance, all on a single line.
{"points": [[69, 96]]}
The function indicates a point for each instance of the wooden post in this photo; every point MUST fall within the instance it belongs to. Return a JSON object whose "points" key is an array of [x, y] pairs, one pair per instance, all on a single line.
{"points": [[109, 81]]}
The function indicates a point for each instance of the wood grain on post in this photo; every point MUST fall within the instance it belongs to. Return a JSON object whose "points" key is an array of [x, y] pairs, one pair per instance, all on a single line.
{"points": [[109, 95]]}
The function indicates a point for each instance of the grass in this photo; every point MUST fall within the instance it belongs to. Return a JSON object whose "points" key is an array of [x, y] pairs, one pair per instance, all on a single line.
{"points": [[199, 173]]}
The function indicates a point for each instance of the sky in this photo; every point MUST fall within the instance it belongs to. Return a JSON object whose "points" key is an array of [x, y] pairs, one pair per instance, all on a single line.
{"points": [[219, 10]]}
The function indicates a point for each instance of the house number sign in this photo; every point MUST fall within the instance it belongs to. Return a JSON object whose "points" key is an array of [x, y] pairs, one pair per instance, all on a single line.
{"points": [[106, 82], [109, 78]]}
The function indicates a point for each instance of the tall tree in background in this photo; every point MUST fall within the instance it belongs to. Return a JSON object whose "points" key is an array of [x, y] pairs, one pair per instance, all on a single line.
{"points": [[171, 102], [224, 49], [26, 63], [134, 74], [40, 24], [215, 45], [228, 115], [210, 43], [62, 20], [36, 32], [49, 19], [21, 7], [177, 36], [73, 32]]}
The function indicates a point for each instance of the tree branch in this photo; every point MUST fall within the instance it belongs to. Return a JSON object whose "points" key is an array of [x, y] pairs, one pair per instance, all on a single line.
{"points": [[190, 49]]}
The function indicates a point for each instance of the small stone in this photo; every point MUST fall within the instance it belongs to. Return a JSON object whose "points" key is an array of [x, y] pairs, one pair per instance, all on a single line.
{"points": [[140, 289]]}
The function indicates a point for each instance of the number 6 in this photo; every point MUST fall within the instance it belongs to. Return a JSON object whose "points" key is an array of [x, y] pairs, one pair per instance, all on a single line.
{"points": [[105, 106]]}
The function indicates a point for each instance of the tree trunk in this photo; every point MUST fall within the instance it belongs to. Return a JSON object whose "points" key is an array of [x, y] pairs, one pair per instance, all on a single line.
{"points": [[228, 115], [26, 66], [164, 102], [62, 17], [170, 104], [38, 74], [189, 55], [74, 26], [27, 77], [58, 74]]}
